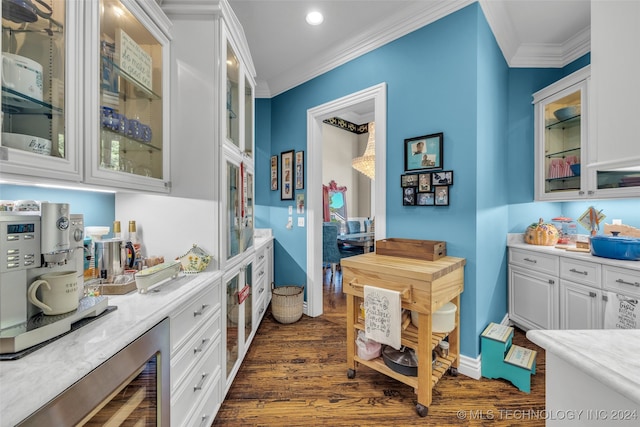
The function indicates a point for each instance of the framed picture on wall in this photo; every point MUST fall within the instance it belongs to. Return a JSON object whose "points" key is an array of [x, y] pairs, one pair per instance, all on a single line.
{"points": [[299, 170], [442, 178], [423, 152], [408, 180], [286, 175], [424, 183], [441, 194], [409, 196], [274, 173], [425, 199]]}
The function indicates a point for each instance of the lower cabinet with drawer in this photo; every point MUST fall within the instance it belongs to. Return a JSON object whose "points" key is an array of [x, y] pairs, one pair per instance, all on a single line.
{"points": [[196, 358], [549, 291], [533, 290]]}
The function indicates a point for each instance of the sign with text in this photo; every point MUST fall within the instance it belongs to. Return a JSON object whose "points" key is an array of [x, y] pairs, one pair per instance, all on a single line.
{"points": [[134, 60]]}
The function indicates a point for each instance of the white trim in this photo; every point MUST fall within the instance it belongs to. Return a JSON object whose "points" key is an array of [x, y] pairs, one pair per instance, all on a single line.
{"points": [[315, 116], [470, 367]]}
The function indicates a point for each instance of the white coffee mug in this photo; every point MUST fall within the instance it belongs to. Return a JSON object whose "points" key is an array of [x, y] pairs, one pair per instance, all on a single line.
{"points": [[59, 293], [23, 75]]}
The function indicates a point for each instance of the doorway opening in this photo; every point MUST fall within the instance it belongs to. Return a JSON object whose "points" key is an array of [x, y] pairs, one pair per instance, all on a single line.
{"points": [[376, 97]]}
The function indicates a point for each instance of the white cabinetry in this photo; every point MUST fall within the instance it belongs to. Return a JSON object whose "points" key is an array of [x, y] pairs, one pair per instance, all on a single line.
{"points": [[615, 30], [580, 295], [42, 111], [196, 358], [551, 291], [561, 138], [127, 95], [263, 281], [104, 106], [533, 290]]}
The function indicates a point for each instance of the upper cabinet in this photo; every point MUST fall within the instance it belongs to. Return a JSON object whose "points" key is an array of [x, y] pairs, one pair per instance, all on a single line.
{"points": [[561, 140], [615, 63], [85, 93], [40, 94], [127, 123], [213, 86]]}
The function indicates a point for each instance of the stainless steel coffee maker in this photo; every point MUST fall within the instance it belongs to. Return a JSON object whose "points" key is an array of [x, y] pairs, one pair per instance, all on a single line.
{"points": [[34, 244]]}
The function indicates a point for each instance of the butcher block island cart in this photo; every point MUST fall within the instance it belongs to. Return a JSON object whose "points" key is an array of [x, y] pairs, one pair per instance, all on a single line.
{"points": [[425, 286]]}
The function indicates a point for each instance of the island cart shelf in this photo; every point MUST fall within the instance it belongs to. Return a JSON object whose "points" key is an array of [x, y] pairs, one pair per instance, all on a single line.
{"points": [[425, 286]]}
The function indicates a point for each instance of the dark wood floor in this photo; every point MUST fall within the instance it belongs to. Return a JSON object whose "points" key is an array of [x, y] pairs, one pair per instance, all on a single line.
{"points": [[296, 375]]}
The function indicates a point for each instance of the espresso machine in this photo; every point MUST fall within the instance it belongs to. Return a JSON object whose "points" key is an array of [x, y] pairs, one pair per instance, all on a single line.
{"points": [[33, 244]]}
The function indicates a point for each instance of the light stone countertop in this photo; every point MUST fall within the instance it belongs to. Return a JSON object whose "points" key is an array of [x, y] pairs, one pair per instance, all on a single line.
{"points": [[609, 356], [516, 241], [29, 383]]}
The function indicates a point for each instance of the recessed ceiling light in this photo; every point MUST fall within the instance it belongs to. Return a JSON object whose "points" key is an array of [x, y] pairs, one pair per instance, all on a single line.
{"points": [[314, 18]]}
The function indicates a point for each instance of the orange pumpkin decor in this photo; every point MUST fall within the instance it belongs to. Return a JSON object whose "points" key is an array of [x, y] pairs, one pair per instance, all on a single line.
{"points": [[541, 233]]}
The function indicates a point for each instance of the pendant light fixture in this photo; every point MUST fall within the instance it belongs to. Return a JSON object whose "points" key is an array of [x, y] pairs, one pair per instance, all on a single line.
{"points": [[366, 164]]}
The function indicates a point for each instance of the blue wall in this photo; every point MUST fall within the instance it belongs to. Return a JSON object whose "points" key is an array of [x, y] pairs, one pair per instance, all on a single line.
{"points": [[98, 208], [448, 77]]}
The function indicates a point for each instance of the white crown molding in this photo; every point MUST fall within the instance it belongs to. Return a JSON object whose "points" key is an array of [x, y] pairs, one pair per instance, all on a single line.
{"points": [[500, 23], [379, 35]]}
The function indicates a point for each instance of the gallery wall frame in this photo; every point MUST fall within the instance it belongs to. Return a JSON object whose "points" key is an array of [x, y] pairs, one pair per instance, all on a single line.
{"points": [[424, 152], [274, 172], [299, 170], [286, 175]]}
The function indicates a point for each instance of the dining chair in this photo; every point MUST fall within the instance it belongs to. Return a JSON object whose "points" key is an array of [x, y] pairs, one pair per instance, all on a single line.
{"points": [[330, 251], [353, 226]]}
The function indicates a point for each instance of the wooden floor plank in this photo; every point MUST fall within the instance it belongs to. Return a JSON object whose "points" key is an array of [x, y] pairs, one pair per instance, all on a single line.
{"points": [[296, 375]]}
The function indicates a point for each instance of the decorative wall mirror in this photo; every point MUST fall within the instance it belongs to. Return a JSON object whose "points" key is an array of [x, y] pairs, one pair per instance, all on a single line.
{"points": [[334, 202]]}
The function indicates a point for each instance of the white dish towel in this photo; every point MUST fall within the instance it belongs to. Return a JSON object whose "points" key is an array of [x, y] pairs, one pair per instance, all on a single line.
{"points": [[621, 312], [383, 316]]}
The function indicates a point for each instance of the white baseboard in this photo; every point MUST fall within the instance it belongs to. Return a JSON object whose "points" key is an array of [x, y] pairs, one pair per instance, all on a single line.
{"points": [[470, 367]]}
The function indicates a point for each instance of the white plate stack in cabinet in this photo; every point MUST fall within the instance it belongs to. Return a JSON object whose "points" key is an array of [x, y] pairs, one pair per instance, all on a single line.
{"points": [[197, 380]]}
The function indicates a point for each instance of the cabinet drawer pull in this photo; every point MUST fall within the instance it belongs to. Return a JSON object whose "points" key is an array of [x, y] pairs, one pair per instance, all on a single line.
{"points": [[261, 257], [573, 270], [202, 344], [200, 383], [261, 290], [202, 309], [261, 273], [261, 311], [592, 294], [551, 281], [636, 284], [203, 420], [531, 260]]}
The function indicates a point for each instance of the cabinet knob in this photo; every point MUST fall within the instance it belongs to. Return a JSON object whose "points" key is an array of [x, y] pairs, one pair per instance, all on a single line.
{"points": [[551, 281], [203, 420], [592, 294]]}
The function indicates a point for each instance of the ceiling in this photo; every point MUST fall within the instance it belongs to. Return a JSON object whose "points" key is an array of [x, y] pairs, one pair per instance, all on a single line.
{"points": [[286, 51]]}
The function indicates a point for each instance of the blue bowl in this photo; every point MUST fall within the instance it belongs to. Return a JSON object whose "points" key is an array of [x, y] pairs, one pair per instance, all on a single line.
{"points": [[616, 247], [566, 113], [575, 169]]}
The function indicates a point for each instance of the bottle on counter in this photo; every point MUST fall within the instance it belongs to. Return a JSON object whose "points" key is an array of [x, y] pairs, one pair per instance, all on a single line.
{"points": [[117, 232], [135, 241]]}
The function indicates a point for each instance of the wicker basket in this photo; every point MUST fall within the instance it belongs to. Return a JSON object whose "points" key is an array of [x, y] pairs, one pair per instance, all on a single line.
{"points": [[286, 303]]}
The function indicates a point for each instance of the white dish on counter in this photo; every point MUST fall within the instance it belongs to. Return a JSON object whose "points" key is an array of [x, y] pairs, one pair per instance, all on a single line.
{"points": [[156, 274]]}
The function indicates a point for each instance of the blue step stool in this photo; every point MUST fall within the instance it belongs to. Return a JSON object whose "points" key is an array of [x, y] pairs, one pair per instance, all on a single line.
{"points": [[502, 359]]}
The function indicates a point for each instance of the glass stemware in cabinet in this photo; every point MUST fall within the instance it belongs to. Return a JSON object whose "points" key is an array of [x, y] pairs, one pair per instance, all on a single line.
{"points": [[131, 110], [33, 77]]}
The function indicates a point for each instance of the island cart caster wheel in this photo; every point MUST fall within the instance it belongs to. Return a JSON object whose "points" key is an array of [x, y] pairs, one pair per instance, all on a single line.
{"points": [[453, 371], [351, 374], [422, 410]]}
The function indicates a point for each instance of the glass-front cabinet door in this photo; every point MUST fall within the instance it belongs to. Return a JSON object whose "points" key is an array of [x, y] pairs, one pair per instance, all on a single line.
{"points": [[561, 139], [129, 136], [238, 181], [239, 303], [40, 70]]}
